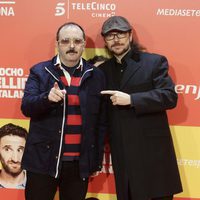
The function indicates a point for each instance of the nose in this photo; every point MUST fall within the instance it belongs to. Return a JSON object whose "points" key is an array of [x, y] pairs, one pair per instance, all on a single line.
{"points": [[72, 44], [15, 156], [116, 38]]}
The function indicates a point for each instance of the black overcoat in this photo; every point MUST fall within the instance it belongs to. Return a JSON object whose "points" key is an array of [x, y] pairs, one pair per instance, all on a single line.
{"points": [[141, 144]]}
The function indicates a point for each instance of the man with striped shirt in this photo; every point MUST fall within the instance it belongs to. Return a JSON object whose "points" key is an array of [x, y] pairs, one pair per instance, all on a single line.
{"points": [[68, 123]]}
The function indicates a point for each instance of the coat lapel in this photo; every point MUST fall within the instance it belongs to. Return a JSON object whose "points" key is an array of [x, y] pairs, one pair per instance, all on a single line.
{"points": [[131, 69]]}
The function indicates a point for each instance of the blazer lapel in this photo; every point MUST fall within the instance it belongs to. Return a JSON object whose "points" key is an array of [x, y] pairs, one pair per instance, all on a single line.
{"points": [[131, 69]]}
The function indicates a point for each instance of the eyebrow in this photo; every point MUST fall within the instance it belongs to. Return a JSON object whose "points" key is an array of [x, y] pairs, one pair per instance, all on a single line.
{"points": [[10, 146]]}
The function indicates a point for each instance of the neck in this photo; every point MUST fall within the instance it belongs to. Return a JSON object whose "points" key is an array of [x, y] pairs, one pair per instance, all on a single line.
{"points": [[70, 63], [9, 181]]}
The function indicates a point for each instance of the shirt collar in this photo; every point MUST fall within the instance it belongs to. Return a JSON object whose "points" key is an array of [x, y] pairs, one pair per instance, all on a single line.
{"points": [[58, 63]]}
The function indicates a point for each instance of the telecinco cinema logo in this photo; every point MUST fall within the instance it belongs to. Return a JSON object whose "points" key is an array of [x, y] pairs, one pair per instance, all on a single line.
{"points": [[96, 9], [6, 8]]}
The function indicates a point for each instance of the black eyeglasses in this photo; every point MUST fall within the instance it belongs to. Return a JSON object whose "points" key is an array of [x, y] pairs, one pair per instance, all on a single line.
{"points": [[111, 36], [67, 41]]}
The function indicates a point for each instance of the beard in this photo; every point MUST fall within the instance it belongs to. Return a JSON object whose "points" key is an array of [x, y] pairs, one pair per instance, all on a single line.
{"points": [[13, 172], [119, 53]]}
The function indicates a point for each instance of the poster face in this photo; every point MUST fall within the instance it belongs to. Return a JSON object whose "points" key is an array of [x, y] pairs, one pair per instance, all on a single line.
{"points": [[170, 28]]}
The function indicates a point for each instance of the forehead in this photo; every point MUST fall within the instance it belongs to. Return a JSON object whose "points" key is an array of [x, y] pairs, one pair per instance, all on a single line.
{"points": [[71, 31], [12, 140]]}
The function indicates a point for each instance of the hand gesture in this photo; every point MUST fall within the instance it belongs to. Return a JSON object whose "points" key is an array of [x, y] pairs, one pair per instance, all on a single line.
{"points": [[56, 94], [118, 97]]}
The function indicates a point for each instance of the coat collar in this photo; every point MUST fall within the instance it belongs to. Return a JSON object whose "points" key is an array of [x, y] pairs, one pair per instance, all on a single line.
{"points": [[131, 60], [131, 69], [53, 69]]}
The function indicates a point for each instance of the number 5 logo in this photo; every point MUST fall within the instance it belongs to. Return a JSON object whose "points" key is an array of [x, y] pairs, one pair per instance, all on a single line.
{"points": [[60, 10]]}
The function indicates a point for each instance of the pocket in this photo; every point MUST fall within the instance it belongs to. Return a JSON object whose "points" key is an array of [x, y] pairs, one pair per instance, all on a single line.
{"points": [[40, 150]]}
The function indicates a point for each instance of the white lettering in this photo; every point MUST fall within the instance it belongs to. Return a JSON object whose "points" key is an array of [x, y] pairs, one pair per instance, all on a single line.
{"points": [[11, 72], [103, 15], [12, 83], [6, 11], [188, 89], [189, 162], [11, 94], [94, 6], [178, 12]]}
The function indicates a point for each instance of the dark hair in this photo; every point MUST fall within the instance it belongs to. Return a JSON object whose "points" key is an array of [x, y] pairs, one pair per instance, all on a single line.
{"points": [[97, 59], [12, 129], [69, 24]]}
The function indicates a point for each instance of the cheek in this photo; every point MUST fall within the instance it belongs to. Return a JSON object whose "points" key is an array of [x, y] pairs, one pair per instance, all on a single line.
{"points": [[20, 156], [5, 156], [108, 44]]}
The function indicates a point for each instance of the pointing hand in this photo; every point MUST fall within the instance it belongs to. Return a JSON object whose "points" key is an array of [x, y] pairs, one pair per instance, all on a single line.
{"points": [[56, 94], [118, 97]]}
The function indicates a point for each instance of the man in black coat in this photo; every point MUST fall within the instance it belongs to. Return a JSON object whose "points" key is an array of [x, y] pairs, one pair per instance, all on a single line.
{"points": [[139, 92]]}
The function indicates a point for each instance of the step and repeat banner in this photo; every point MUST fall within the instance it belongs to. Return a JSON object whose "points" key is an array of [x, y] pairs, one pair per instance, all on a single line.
{"points": [[171, 28]]}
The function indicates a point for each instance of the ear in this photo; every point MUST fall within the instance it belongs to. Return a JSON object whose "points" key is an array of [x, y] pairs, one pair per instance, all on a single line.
{"points": [[84, 45], [56, 44]]}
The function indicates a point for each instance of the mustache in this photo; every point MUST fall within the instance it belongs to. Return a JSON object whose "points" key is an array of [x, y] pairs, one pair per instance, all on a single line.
{"points": [[116, 44], [71, 51]]}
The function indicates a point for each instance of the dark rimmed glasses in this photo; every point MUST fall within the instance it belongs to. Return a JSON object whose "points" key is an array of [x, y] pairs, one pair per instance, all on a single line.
{"points": [[111, 36]]}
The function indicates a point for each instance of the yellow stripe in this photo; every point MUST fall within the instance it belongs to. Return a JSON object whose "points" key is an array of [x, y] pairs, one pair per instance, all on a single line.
{"points": [[102, 196], [186, 141], [20, 122]]}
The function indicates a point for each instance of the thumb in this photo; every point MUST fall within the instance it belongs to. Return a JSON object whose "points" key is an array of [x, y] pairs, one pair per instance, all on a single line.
{"points": [[56, 86]]}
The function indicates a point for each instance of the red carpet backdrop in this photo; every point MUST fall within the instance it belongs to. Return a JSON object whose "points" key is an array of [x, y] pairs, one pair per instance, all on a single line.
{"points": [[171, 28]]}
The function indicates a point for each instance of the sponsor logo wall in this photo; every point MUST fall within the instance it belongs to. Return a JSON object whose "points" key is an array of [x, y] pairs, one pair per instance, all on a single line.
{"points": [[171, 28]]}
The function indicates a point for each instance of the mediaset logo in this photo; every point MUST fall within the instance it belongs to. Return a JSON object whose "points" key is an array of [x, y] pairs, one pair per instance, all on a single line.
{"points": [[178, 12], [6, 8], [188, 90], [97, 9], [12, 82]]}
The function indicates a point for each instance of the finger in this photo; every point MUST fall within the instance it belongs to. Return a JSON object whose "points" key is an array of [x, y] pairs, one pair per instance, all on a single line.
{"points": [[112, 98], [63, 91], [53, 97], [56, 98], [110, 92], [56, 86], [59, 93]]}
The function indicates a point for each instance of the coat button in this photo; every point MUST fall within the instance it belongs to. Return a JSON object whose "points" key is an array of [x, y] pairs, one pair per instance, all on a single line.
{"points": [[59, 131], [56, 157], [92, 145]]}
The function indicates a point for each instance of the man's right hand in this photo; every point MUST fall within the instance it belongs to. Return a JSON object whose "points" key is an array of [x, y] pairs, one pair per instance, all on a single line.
{"points": [[56, 94]]}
